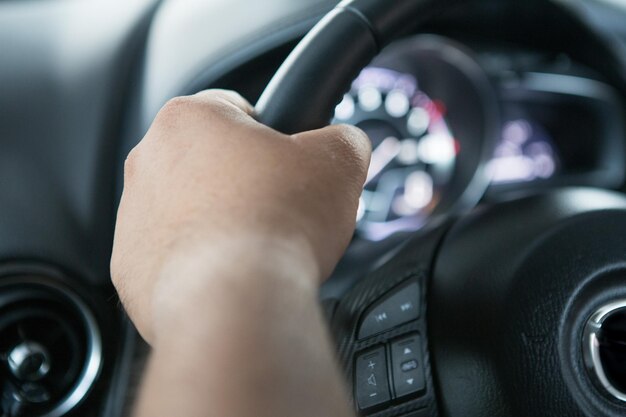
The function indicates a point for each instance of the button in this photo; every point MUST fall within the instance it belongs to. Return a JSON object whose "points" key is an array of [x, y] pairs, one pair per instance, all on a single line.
{"points": [[407, 366], [371, 383], [396, 308]]}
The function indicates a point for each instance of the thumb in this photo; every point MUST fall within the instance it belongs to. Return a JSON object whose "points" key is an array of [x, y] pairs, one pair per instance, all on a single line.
{"points": [[348, 147]]}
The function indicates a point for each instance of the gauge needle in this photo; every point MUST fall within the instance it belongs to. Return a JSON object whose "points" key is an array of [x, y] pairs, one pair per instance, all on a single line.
{"points": [[384, 153]]}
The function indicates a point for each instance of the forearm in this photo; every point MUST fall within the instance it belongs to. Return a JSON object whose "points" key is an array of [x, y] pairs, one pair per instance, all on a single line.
{"points": [[255, 345], [224, 231]]}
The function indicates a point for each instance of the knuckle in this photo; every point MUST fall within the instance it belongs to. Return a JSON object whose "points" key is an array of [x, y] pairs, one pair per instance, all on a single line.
{"points": [[189, 108], [117, 269], [115, 272], [181, 109], [170, 115], [226, 98], [130, 164], [176, 105]]}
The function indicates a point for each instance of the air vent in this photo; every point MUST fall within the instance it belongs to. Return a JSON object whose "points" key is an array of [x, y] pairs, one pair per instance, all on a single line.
{"points": [[50, 349]]}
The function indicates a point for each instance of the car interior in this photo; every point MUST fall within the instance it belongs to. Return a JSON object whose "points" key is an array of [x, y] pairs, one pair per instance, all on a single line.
{"points": [[487, 272]]}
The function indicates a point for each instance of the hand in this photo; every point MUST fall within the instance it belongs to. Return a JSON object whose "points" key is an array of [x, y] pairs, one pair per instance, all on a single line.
{"points": [[211, 195]]}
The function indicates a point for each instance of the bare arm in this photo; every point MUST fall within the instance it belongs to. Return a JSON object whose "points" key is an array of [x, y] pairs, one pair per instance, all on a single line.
{"points": [[224, 232]]}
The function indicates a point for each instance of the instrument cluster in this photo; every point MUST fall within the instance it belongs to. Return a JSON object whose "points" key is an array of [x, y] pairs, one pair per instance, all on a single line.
{"points": [[446, 130]]}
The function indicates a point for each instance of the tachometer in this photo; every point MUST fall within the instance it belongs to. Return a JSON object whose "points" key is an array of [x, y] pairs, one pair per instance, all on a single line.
{"points": [[413, 149], [430, 114]]}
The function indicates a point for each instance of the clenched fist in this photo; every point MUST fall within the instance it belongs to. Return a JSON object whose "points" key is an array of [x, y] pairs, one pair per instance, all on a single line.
{"points": [[212, 198]]}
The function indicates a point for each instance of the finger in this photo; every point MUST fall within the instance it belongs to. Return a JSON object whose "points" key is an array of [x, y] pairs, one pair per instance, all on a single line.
{"points": [[344, 143]]}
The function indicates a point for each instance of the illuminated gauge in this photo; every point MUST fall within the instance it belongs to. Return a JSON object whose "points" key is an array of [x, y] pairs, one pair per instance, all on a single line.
{"points": [[430, 114], [413, 149], [526, 152]]}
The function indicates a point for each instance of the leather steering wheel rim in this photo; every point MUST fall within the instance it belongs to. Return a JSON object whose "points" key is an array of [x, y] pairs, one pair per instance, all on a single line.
{"points": [[349, 37], [323, 65]]}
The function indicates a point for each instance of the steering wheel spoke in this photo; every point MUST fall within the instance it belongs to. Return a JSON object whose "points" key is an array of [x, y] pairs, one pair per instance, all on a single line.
{"points": [[481, 312], [380, 329]]}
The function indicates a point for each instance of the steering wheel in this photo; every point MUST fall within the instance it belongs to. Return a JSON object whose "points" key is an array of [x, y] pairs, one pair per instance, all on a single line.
{"points": [[516, 309]]}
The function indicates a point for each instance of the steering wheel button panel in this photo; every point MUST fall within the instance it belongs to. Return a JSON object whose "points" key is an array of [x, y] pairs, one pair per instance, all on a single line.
{"points": [[371, 383], [393, 310], [407, 368]]}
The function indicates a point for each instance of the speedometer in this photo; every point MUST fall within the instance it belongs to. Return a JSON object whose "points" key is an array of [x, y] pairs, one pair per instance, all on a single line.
{"points": [[413, 149], [430, 114]]}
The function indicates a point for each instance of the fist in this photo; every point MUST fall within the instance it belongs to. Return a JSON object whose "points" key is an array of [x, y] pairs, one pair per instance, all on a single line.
{"points": [[210, 193]]}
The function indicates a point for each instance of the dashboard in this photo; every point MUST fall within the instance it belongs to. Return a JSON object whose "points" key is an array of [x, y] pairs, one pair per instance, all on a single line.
{"points": [[456, 122], [462, 119], [491, 100]]}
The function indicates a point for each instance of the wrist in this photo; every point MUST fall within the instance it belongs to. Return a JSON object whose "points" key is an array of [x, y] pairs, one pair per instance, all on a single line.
{"points": [[235, 277]]}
